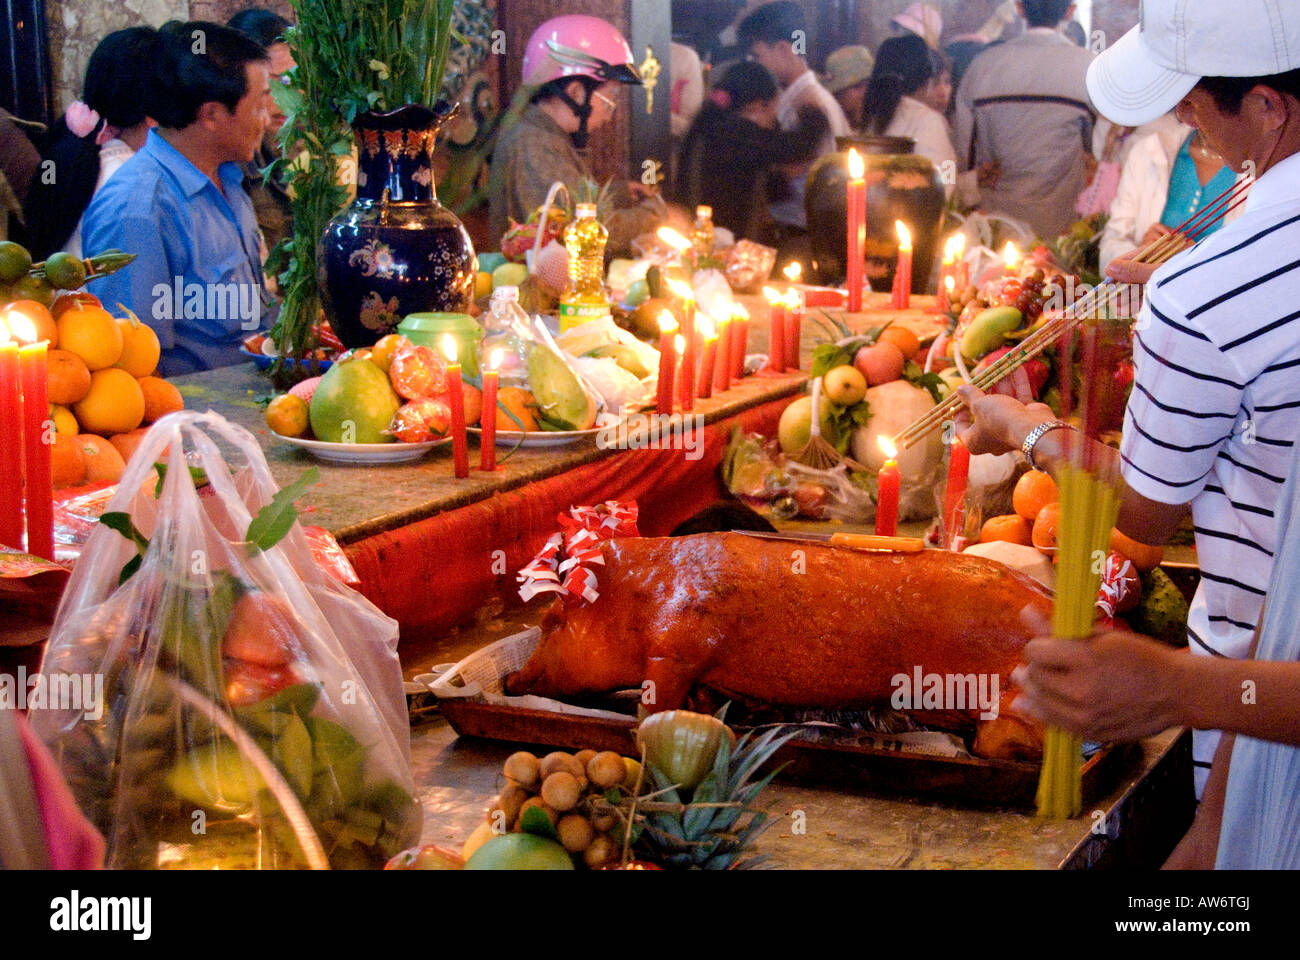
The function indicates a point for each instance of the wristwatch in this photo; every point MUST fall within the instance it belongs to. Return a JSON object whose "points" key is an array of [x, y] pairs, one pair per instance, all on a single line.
{"points": [[1036, 434]]}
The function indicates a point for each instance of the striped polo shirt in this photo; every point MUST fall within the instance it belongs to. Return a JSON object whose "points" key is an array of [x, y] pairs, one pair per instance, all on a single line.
{"points": [[1215, 407]]}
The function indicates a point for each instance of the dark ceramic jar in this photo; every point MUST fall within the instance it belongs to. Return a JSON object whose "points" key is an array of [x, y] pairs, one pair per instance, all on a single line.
{"points": [[395, 250], [901, 185]]}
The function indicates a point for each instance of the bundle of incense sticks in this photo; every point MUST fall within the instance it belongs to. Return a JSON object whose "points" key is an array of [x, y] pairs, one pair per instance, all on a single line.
{"points": [[1158, 251], [1090, 496]]}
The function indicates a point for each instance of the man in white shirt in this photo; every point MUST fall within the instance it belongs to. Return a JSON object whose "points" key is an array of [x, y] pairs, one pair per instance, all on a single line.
{"points": [[1023, 105], [774, 35], [1212, 419]]}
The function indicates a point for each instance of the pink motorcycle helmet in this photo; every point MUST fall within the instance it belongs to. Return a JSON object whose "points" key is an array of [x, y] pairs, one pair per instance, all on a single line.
{"points": [[576, 45]]}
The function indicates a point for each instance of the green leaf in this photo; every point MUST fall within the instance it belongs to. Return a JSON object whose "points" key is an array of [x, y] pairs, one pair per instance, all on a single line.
{"points": [[932, 382], [534, 820], [196, 474], [276, 519], [826, 357], [860, 413], [121, 522], [129, 568]]}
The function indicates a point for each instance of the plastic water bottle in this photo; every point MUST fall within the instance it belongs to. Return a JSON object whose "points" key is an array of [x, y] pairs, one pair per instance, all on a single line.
{"points": [[506, 329]]}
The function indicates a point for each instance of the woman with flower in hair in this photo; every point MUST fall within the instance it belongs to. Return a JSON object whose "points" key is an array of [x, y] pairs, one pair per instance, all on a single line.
{"points": [[93, 138], [734, 144]]}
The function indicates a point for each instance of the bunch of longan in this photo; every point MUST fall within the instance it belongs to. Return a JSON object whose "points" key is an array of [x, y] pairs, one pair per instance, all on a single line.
{"points": [[570, 790]]}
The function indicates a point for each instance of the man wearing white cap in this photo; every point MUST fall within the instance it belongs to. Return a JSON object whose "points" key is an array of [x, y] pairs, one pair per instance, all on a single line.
{"points": [[1212, 423]]}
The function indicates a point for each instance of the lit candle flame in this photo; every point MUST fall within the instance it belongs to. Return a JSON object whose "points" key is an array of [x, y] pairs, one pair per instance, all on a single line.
{"points": [[706, 327], [904, 235], [494, 361], [667, 322], [857, 168], [952, 248], [21, 327], [681, 290], [792, 300], [1010, 255], [680, 344], [793, 271], [949, 283], [772, 295], [738, 312], [449, 348], [887, 445], [674, 239]]}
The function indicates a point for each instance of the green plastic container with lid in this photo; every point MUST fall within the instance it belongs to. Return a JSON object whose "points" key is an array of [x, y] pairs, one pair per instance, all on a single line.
{"points": [[429, 329]]}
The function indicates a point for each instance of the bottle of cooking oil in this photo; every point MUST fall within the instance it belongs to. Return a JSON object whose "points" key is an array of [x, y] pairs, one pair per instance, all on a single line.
{"points": [[702, 235], [585, 239]]}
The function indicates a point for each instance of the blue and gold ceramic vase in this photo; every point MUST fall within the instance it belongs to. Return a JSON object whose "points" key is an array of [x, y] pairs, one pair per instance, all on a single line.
{"points": [[395, 250]]}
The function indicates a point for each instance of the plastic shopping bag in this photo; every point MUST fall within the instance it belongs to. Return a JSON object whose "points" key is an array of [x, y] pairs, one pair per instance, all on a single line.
{"points": [[239, 707]]}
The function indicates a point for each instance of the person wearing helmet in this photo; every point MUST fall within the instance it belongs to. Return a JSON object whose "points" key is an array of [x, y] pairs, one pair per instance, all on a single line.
{"points": [[571, 67]]}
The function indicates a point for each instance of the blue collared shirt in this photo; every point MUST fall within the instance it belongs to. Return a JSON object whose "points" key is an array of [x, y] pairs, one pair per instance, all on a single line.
{"points": [[197, 276]]}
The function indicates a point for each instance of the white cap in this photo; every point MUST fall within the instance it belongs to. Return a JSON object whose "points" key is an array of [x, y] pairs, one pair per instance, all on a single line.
{"points": [[1176, 42]]}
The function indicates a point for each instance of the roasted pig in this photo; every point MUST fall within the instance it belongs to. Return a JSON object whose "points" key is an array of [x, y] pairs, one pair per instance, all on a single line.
{"points": [[798, 625]]}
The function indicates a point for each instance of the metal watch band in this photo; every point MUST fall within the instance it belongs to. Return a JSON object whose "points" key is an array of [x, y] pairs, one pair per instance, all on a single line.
{"points": [[1036, 434]]}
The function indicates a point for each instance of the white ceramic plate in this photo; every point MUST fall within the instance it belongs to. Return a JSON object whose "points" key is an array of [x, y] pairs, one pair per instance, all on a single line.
{"points": [[365, 452], [538, 438]]}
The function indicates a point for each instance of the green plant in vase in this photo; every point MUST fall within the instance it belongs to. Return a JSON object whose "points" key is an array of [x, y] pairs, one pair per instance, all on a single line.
{"points": [[351, 58]]}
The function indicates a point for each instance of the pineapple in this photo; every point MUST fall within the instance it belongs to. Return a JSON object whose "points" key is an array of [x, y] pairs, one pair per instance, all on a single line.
{"points": [[715, 828]]}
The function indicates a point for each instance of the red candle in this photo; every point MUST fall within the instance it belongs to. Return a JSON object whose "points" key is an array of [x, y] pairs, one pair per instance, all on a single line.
{"points": [[667, 363], [903, 271], [793, 322], [11, 438], [708, 363], [954, 499], [944, 303], [487, 456], [686, 385], [722, 362], [740, 341], [888, 483], [38, 436], [776, 332], [857, 229], [456, 394]]}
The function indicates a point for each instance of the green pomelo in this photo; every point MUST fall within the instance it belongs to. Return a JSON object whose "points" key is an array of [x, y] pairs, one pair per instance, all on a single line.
{"points": [[353, 403], [520, 851], [795, 427]]}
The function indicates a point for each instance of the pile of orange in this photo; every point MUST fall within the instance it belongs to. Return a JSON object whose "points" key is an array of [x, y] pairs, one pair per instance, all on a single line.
{"points": [[1038, 514], [102, 386]]}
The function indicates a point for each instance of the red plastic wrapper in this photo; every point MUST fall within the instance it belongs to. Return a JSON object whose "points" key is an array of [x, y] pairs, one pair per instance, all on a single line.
{"points": [[30, 586], [330, 557], [417, 372]]}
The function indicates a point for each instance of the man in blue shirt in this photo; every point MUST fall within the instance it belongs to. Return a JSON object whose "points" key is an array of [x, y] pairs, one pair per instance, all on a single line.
{"points": [[179, 205]]}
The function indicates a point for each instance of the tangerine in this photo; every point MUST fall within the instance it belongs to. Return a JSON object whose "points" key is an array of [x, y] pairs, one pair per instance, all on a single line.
{"points": [[69, 378], [125, 443], [1144, 556], [67, 462], [114, 404], [103, 463], [1010, 528], [64, 421], [140, 348], [519, 402], [287, 415], [1034, 490], [1046, 527], [908, 343], [160, 398], [92, 334], [381, 354]]}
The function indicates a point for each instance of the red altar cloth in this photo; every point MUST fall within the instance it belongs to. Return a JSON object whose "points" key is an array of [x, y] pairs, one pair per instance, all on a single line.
{"points": [[436, 573]]}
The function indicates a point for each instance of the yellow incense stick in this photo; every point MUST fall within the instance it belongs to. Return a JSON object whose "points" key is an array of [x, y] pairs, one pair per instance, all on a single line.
{"points": [[1089, 506]]}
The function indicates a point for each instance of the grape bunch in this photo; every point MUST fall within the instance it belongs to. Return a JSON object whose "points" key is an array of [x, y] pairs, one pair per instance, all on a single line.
{"points": [[1031, 299]]}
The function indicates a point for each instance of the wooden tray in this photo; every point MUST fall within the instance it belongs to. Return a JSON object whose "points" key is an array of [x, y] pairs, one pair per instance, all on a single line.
{"points": [[998, 783]]}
